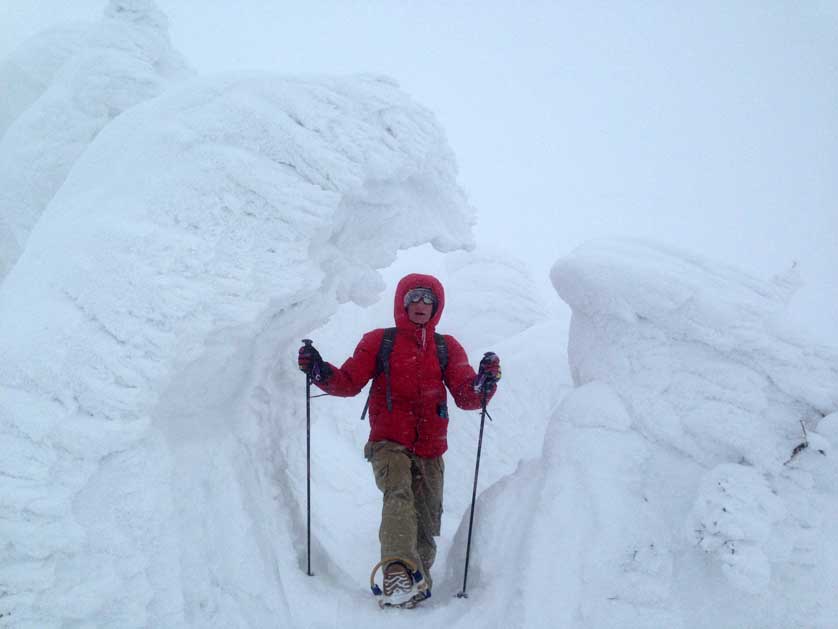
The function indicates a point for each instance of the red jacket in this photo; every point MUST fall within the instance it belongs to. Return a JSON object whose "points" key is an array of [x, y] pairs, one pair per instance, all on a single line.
{"points": [[419, 417]]}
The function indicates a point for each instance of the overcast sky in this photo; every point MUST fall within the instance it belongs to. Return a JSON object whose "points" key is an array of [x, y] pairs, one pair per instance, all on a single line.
{"points": [[713, 127]]}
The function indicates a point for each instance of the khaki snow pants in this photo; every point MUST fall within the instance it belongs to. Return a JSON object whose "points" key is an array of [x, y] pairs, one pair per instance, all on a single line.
{"points": [[412, 510]]}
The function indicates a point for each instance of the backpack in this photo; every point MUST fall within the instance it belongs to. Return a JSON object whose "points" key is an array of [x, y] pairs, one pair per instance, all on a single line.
{"points": [[382, 363]]}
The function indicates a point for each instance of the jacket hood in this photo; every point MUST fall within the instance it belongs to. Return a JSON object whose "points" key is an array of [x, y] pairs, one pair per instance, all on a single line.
{"points": [[407, 284]]}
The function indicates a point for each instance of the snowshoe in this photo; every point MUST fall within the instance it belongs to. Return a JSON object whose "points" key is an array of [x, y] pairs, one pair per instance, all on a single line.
{"points": [[403, 585], [413, 602]]}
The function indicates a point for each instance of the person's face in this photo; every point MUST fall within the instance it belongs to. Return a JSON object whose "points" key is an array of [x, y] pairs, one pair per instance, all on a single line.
{"points": [[419, 312]]}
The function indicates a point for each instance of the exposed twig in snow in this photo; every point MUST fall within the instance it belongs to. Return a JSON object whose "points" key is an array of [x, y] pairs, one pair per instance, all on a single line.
{"points": [[800, 447]]}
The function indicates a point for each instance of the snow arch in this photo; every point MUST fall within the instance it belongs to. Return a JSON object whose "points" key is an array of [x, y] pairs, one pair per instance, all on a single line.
{"points": [[149, 385]]}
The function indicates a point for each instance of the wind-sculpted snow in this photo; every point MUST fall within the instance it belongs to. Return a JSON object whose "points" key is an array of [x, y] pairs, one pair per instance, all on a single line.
{"points": [[689, 479], [151, 416], [698, 411], [495, 295], [30, 69], [152, 419], [577, 528], [699, 352], [66, 85]]}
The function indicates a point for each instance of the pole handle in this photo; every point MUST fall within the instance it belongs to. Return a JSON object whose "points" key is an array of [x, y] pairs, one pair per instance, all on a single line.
{"points": [[315, 375]]}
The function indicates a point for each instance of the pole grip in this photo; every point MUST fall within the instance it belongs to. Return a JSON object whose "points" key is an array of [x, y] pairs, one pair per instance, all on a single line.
{"points": [[315, 374]]}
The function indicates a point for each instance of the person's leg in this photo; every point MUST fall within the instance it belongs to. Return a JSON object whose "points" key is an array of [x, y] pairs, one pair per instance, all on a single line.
{"points": [[391, 464], [427, 491]]}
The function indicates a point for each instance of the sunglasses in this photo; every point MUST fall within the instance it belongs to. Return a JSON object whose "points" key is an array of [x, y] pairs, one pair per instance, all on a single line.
{"points": [[425, 295]]}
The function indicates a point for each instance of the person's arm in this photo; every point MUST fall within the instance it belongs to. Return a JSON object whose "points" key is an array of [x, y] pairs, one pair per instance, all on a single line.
{"points": [[350, 378], [460, 378]]}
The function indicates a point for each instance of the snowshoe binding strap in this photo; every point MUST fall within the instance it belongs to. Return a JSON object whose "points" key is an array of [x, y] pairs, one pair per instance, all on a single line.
{"points": [[417, 593]]}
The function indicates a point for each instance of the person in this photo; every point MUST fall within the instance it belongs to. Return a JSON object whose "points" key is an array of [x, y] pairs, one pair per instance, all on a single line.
{"points": [[408, 424]]}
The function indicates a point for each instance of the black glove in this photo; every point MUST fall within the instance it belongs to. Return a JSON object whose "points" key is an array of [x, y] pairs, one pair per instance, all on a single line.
{"points": [[310, 362], [488, 373]]}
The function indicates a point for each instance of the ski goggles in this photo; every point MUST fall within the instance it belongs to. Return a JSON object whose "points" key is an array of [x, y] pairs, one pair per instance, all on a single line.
{"points": [[425, 295]]}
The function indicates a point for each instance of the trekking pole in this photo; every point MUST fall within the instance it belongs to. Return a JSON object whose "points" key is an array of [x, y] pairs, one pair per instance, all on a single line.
{"points": [[308, 342], [483, 388]]}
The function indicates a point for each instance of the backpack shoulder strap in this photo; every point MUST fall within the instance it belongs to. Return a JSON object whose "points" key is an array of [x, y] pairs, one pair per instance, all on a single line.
{"points": [[441, 351], [384, 351], [382, 365]]}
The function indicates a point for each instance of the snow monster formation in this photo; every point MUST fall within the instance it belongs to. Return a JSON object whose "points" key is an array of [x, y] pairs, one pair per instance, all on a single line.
{"points": [[689, 479], [149, 417]]}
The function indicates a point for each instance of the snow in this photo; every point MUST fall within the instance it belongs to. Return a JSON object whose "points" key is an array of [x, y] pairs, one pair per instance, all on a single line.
{"points": [[73, 81], [708, 376], [27, 73], [481, 322], [733, 519], [144, 388], [665, 458]]}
